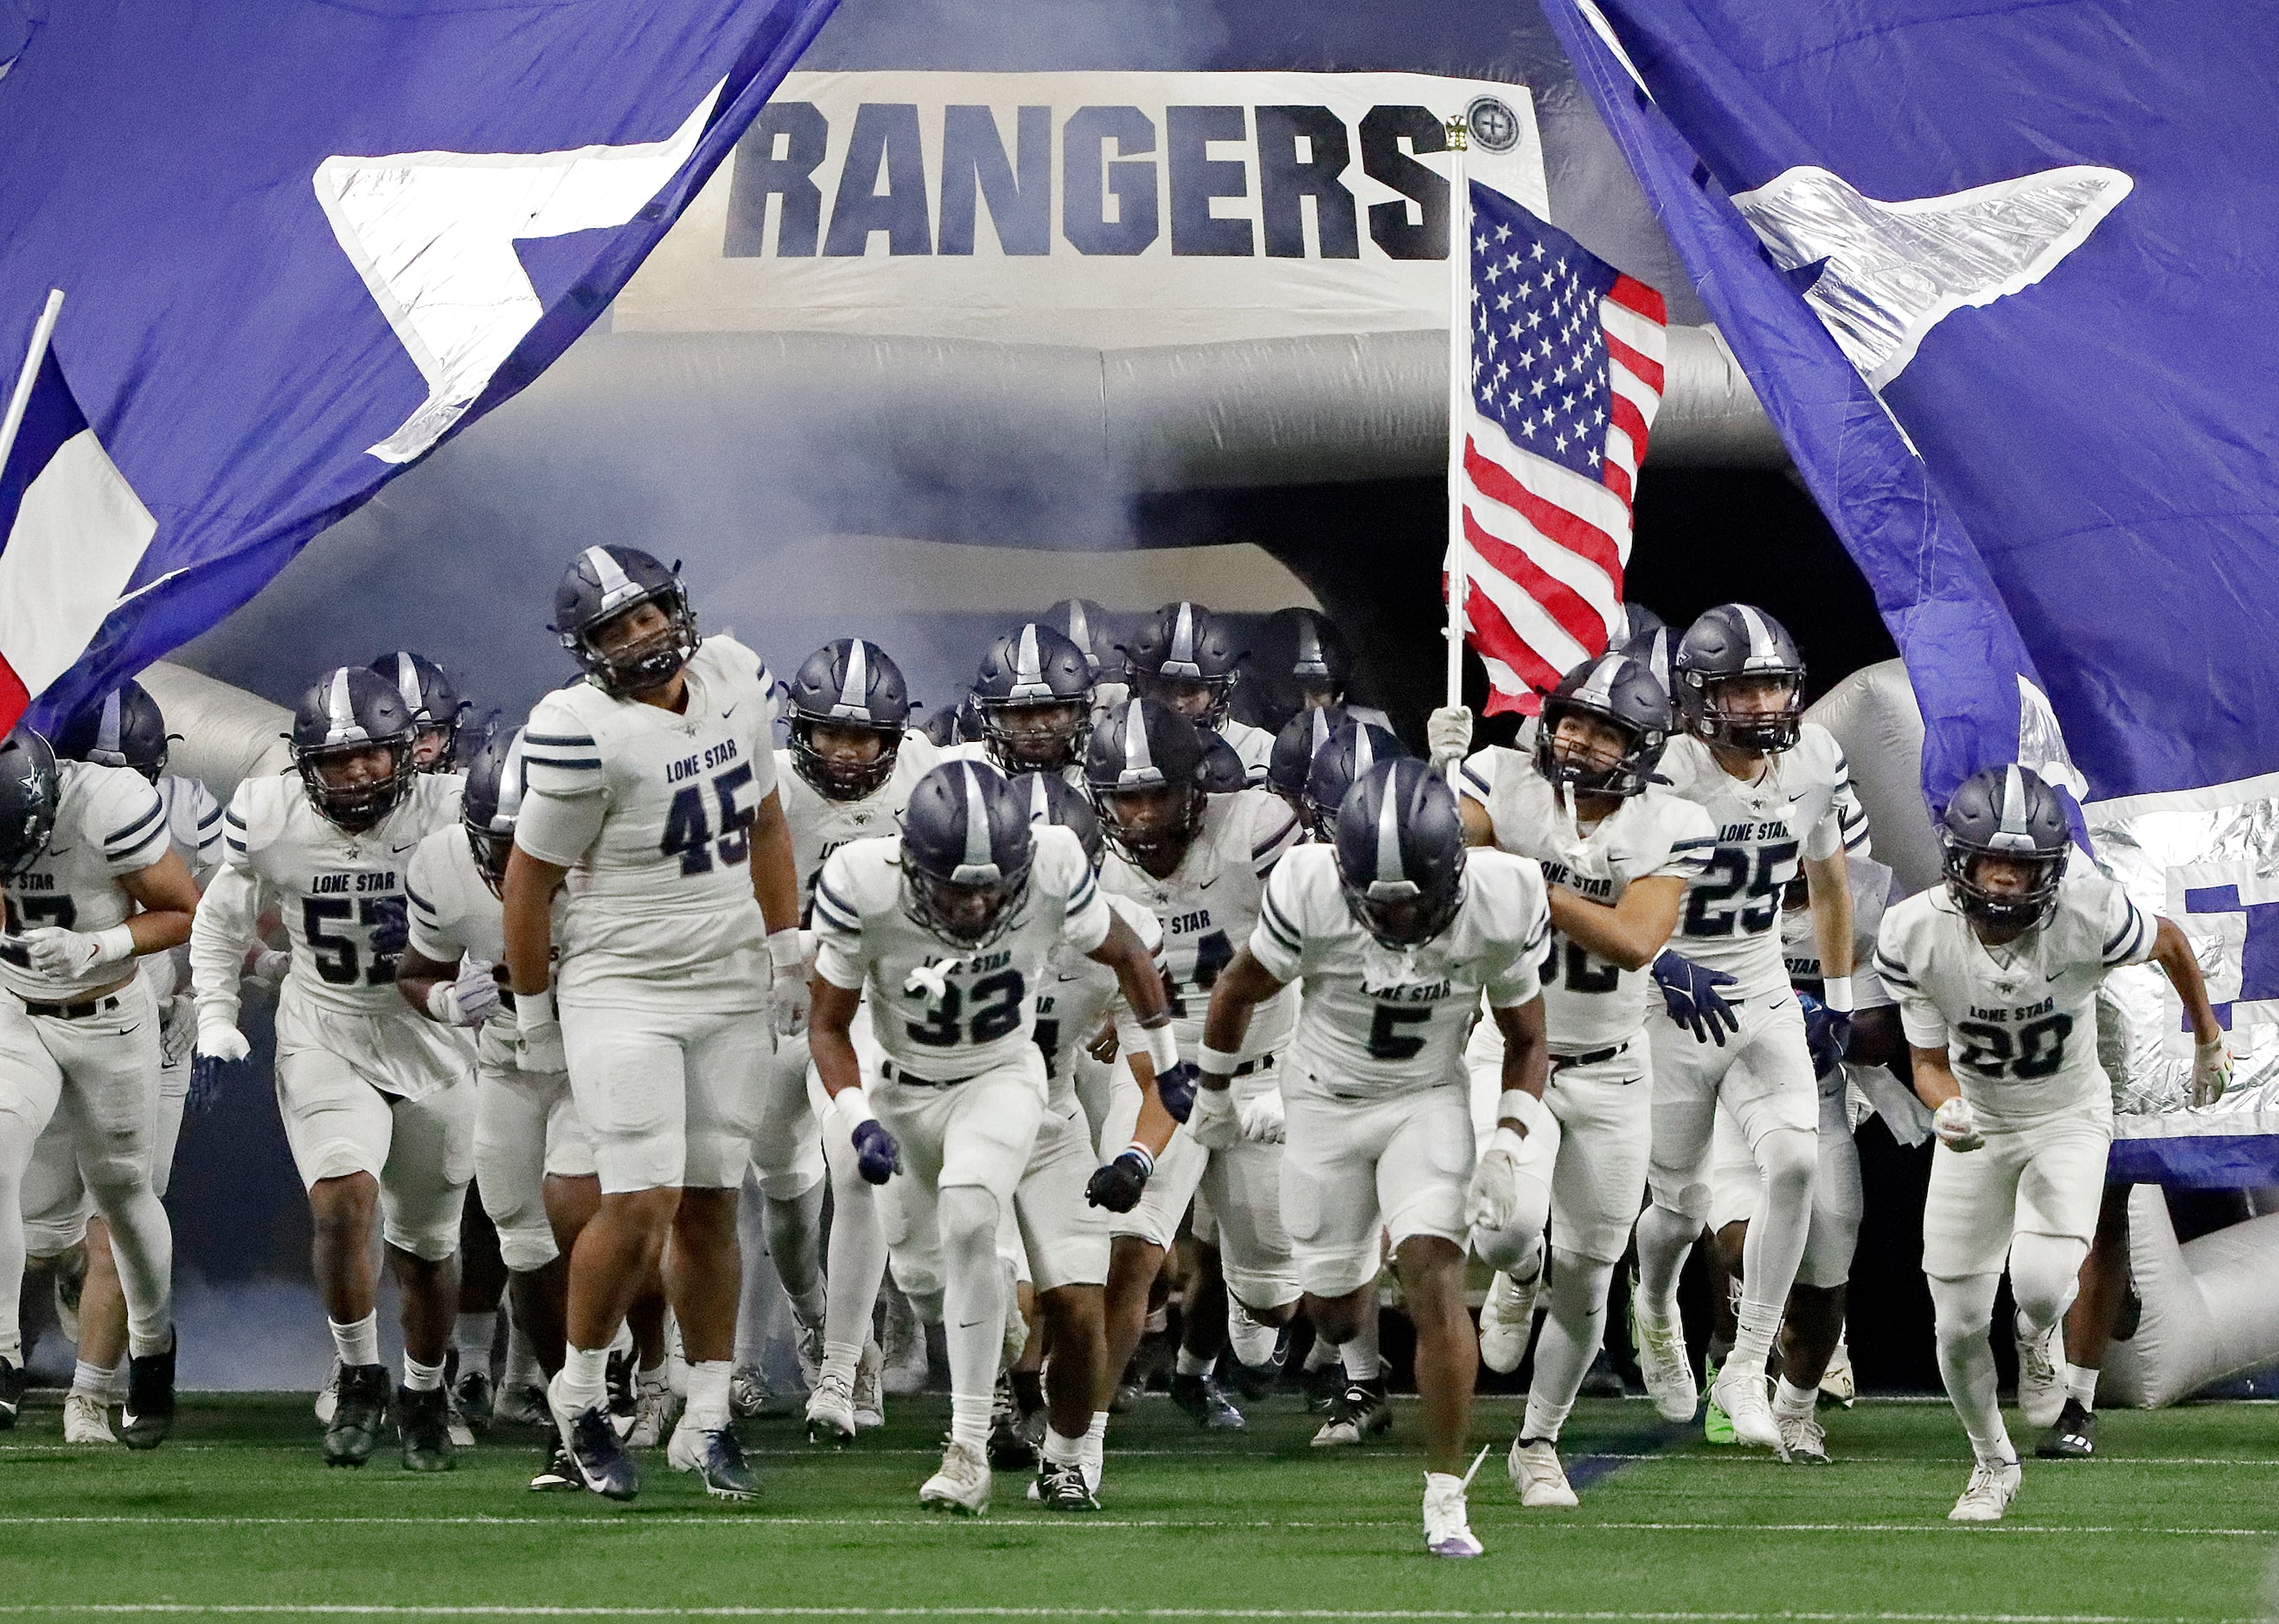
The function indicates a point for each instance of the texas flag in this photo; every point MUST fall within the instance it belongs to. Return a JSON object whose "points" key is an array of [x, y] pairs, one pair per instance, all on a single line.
{"points": [[71, 531]]}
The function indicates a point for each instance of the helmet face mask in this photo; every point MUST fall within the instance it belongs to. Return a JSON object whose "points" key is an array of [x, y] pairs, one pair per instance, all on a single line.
{"points": [[31, 788], [1184, 660], [967, 850], [968, 916], [1764, 713], [1034, 736], [1033, 694], [1145, 767], [1741, 680], [352, 744], [2004, 842], [1399, 851], [493, 803], [843, 760], [1603, 728], [848, 708], [433, 701], [625, 619], [1151, 824]]}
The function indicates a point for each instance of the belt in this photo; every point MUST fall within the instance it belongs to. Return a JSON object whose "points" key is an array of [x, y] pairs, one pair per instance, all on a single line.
{"points": [[889, 1072], [1259, 1064], [1559, 1063], [72, 1012]]}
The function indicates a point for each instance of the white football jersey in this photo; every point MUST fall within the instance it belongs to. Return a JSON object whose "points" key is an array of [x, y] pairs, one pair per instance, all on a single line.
{"points": [[2019, 1022], [1374, 1022], [939, 1011], [334, 889], [109, 823], [1871, 884], [454, 915], [1588, 1004], [977, 750], [1801, 805], [1080, 995], [651, 812], [1253, 744], [1209, 906], [820, 825], [193, 822]]}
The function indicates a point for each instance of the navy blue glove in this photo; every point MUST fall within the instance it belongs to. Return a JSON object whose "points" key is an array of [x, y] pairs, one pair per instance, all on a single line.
{"points": [[1118, 1185], [1689, 992], [1827, 1034], [391, 928], [877, 1157], [1175, 1088], [205, 1084]]}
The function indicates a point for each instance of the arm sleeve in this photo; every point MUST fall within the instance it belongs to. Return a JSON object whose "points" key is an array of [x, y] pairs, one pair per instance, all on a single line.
{"points": [[220, 932], [2128, 933], [839, 956], [1522, 978], [557, 829], [430, 937], [1272, 832], [1278, 944], [131, 822], [1085, 921]]}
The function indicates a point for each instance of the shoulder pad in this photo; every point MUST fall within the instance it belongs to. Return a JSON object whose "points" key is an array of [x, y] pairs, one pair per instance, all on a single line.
{"points": [[256, 815]]}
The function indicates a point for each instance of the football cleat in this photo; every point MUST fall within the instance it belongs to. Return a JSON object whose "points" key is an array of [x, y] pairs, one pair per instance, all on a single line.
{"points": [[1802, 1438], [1537, 1475], [328, 1393], [831, 1411], [599, 1454], [2041, 1376], [655, 1407], [2073, 1437], [87, 1419], [1837, 1383], [1325, 1385], [1202, 1398], [149, 1414], [904, 1349], [870, 1389], [1060, 1486], [1603, 1379], [1743, 1395], [1126, 1398], [1663, 1362], [1716, 1426], [522, 1406], [716, 1458], [1362, 1411], [472, 1396], [1989, 1493], [559, 1474], [1507, 1318], [807, 1341], [359, 1412], [748, 1392], [621, 1379], [961, 1486], [1448, 1529], [423, 1424], [1010, 1447], [12, 1392]]}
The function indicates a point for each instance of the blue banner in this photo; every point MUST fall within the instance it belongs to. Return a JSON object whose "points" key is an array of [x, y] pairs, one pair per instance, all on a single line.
{"points": [[300, 242], [2002, 277]]}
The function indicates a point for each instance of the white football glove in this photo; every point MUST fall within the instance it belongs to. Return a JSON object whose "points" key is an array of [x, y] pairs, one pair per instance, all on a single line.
{"points": [[787, 990], [66, 955], [1261, 1117], [266, 967], [470, 1000], [539, 1034], [1493, 1195], [219, 1039], [1957, 1125], [2210, 1071], [1215, 1121], [1449, 735]]}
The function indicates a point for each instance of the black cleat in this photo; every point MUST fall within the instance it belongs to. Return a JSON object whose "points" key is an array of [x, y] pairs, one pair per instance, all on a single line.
{"points": [[559, 1474], [600, 1456], [1362, 1411], [423, 1423], [149, 1413], [2072, 1436], [625, 1404], [359, 1413], [1603, 1379], [1011, 1448], [12, 1392], [1325, 1384], [473, 1396], [716, 1458], [1202, 1398], [1060, 1488]]}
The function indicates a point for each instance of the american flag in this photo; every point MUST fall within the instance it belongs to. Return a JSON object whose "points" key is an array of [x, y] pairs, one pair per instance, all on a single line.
{"points": [[1566, 367]]}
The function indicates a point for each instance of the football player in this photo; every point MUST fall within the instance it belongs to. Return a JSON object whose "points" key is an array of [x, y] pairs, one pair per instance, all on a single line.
{"points": [[1198, 862], [1034, 695], [433, 701], [1997, 972], [1309, 667], [533, 1164], [1090, 628], [1778, 793], [1395, 936], [1185, 658], [951, 930], [92, 883], [652, 792], [127, 729], [846, 775], [1617, 853], [378, 1103]]}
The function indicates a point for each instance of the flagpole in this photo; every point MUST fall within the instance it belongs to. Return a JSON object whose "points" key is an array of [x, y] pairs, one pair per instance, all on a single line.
{"points": [[41, 332], [1460, 396]]}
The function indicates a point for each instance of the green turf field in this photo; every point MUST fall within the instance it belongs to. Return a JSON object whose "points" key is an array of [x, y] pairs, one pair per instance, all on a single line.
{"points": [[237, 1516]]}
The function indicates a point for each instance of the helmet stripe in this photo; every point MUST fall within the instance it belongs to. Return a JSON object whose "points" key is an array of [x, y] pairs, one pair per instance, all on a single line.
{"points": [[855, 691], [980, 866], [1364, 758], [1029, 667], [1763, 650], [107, 731], [514, 778], [1320, 733], [1389, 866], [342, 725], [1311, 661], [615, 584], [1041, 803], [1598, 687], [1139, 761], [1180, 662], [406, 683]]}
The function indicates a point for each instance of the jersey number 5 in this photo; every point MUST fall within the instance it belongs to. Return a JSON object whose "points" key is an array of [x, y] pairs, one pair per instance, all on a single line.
{"points": [[1758, 878], [688, 835]]}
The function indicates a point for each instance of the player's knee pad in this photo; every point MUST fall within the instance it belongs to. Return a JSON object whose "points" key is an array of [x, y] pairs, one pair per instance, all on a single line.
{"points": [[526, 1248], [1962, 1308], [968, 1216], [1787, 1158], [1576, 1290], [2046, 1274], [49, 1238]]}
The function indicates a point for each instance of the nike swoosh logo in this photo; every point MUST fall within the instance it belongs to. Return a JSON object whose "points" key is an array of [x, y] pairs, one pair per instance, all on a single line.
{"points": [[968, 1324], [726, 711], [1206, 884], [2053, 975]]}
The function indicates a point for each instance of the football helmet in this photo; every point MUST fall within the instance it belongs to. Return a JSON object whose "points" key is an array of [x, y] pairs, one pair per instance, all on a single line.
{"points": [[1034, 694], [1146, 767], [603, 583], [496, 779], [31, 787], [351, 712], [435, 703], [2004, 812], [125, 729], [1299, 659], [1400, 847], [1640, 621], [854, 687], [958, 723], [1620, 694], [1300, 740], [1087, 625], [1052, 798], [1731, 643], [966, 852], [1345, 757], [1181, 653]]}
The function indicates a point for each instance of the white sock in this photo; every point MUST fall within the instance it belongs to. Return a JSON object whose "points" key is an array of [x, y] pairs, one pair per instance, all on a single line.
{"points": [[841, 1358], [473, 1334], [357, 1344], [1159, 1320], [420, 1378], [1753, 1330], [584, 1383], [1095, 1450], [708, 1393], [968, 1420], [1788, 1400], [1064, 1451], [1323, 1352], [1359, 1353], [2081, 1383], [93, 1380], [1189, 1365]]}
